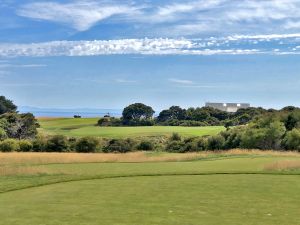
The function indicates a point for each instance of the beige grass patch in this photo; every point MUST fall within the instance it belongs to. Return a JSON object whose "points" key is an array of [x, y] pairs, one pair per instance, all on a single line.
{"points": [[47, 158], [283, 165]]}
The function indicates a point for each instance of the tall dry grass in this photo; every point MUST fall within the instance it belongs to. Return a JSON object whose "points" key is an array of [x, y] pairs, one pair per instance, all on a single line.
{"points": [[283, 165], [24, 170], [48, 158]]}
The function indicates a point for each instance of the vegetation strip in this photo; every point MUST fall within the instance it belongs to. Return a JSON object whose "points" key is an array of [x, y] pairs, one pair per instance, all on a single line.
{"points": [[153, 175]]}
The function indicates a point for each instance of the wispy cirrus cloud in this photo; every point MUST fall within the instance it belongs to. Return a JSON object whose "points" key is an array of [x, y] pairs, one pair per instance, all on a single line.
{"points": [[180, 81], [125, 81], [81, 15], [177, 18], [22, 65]]}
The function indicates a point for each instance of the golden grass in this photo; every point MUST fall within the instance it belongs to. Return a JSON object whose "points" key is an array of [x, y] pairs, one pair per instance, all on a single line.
{"points": [[27, 170], [283, 165], [47, 158]]}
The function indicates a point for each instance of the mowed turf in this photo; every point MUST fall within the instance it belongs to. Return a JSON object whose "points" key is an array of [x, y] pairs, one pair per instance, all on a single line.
{"points": [[216, 190], [87, 127]]}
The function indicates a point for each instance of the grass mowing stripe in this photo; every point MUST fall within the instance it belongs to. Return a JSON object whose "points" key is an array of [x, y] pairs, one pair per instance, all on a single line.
{"points": [[296, 173]]}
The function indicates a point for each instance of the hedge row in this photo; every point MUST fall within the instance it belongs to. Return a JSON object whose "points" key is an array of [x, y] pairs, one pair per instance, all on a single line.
{"points": [[60, 143]]}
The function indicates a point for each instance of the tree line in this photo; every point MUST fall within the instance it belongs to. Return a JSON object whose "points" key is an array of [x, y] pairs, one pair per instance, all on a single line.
{"points": [[139, 114], [252, 128]]}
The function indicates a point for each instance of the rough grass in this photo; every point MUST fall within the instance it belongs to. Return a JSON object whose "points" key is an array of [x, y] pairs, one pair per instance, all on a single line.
{"points": [[24, 170], [87, 127], [50, 158], [283, 165]]}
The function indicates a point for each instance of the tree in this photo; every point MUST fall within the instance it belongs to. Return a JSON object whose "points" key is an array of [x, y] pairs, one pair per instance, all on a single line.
{"points": [[291, 140], [19, 126], [173, 113], [136, 112], [6, 105]]}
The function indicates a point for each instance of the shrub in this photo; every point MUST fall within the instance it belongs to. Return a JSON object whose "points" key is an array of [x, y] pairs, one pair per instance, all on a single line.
{"points": [[233, 137], [87, 144], [215, 142], [72, 143], [175, 146], [3, 134], [202, 144], [39, 144], [109, 121], [175, 137], [119, 145], [9, 145], [57, 143], [292, 140], [264, 135], [146, 146], [25, 146]]}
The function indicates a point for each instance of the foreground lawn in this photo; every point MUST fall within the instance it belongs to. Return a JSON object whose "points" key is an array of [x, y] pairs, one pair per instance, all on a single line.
{"points": [[86, 127], [150, 188]]}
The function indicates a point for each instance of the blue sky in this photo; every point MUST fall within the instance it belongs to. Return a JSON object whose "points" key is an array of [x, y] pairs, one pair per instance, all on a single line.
{"points": [[110, 53]]}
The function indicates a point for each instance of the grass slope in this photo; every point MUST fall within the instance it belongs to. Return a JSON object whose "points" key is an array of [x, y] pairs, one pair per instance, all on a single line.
{"points": [[86, 127], [225, 189]]}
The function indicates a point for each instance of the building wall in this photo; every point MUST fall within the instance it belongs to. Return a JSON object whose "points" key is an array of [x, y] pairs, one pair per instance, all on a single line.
{"points": [[228, 107]]}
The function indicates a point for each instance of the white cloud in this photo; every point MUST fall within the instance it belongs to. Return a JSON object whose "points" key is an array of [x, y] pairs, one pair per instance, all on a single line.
{"points": [[124, 81], [231, 45], [81, 15], [227, 16], [175, 18], [158, 46], [22, 65], [292, 25], [180, 81], [264, 36], [172, 10]]}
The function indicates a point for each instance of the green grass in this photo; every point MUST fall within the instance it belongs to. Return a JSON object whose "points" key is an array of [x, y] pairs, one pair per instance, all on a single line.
{"points": [[217, 190], [86, 127]]}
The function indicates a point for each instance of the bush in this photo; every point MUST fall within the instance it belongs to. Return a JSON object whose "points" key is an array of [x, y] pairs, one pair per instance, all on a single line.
{"points": [[175, 146], [175, 137], [264, 135], [57, 143], [233, 137], [9, 145], [190, 146], [202, 144], [25, 146], [119, 145], [39, 144], [3, 134], [215, 142], [87, 144], [72, 143], [109, 121], [292, 140], [145, 146]]}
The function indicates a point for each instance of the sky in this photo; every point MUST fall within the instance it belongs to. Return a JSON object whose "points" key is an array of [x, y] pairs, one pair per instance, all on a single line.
{"points": [[111, 53]]}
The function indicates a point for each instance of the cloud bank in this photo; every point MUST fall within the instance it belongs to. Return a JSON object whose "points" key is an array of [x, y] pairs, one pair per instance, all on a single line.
{"points": [[231, 45]]}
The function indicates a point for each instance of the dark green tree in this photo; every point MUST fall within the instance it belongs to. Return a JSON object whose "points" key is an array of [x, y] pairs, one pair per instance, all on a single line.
{"points": [[19, 126], [6, 105], [173, 113], [137, 112]]}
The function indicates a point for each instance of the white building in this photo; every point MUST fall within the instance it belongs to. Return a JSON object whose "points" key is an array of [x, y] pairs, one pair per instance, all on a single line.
{"points": [[228, 107]]}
